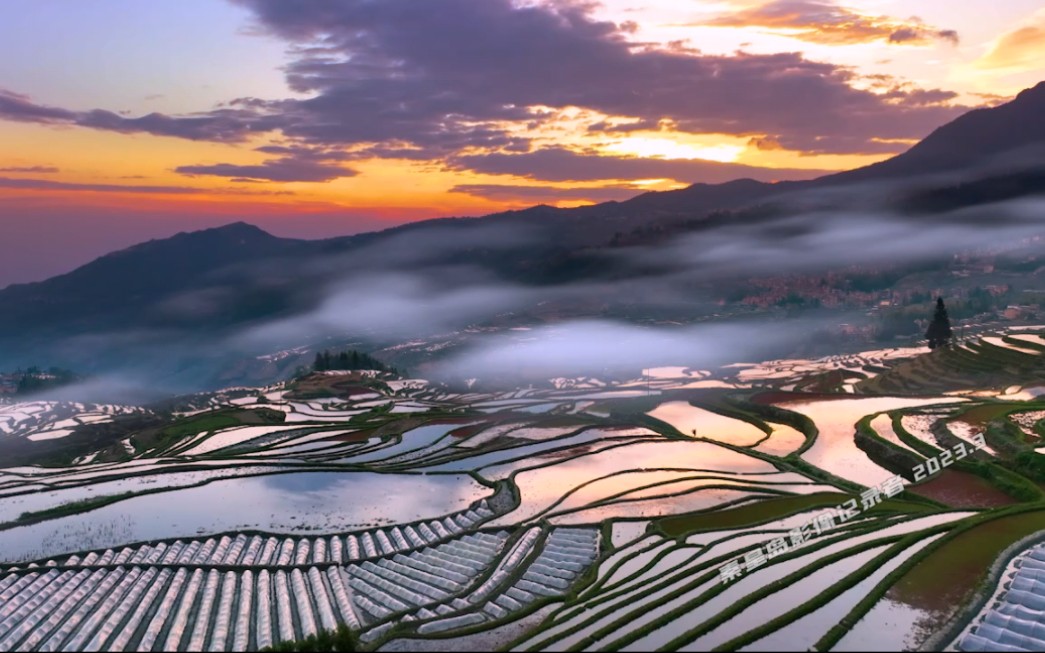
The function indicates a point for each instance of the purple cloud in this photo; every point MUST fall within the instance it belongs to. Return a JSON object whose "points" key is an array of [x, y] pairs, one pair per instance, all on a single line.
{"points": [[918, 34], [222, 125], [41, 170], [443, 74], [444, 80], [285, 170], [294, 164], [47, 184], [20, 108], [509, 192], [560, 164]]}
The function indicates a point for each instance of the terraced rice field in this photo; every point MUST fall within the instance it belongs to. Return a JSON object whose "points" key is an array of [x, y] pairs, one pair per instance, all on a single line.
{"points": [[49, 420], [587, 515]]}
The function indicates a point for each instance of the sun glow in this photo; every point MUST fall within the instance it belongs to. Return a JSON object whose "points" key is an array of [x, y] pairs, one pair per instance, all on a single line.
{"points": [[667, 148]]}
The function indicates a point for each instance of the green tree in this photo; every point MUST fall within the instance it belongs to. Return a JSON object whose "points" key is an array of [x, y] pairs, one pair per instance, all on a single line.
{"points": [[342, 639], [939, 332]]}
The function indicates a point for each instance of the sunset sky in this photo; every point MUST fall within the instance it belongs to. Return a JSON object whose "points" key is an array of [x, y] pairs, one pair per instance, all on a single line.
{"points": [[122, 120]]}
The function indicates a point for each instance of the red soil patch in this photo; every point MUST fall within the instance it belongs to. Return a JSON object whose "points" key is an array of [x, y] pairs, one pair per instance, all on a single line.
{"points": [[357, 390], [564, 454], [325, 385], [357, 436], [981, 415], [468, 431], [962, 490]]}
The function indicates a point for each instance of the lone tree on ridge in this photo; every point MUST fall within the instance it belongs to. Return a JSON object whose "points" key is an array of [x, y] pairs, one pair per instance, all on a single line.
{"points": [[939, 332]]}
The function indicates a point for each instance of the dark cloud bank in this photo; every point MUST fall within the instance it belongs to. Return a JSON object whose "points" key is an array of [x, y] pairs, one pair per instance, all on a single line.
{"points": [[452, 80]]}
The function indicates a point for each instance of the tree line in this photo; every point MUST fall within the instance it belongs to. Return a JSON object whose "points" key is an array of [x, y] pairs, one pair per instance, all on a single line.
{"points": [[35, 379], [348, 360]]}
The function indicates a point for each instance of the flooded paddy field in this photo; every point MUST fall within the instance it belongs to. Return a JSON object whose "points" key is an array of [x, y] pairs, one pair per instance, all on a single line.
{"points": [[760, 506]]}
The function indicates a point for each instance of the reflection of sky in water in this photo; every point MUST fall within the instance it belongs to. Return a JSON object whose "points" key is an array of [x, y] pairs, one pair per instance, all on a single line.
{"points": [[687, 418], [540, 487], [417, 438], [803, 633], [306, 503], [784, 440], [698, 500], [299, 484], [835, 449], [12, 507]]}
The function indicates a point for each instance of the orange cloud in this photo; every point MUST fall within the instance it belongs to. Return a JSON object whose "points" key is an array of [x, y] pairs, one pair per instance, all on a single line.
{"points": [[823, 22], [1021, 49]]}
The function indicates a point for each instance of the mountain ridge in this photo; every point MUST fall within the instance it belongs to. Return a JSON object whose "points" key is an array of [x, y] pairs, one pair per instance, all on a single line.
{"points": [[215, 280], [992, 134]]}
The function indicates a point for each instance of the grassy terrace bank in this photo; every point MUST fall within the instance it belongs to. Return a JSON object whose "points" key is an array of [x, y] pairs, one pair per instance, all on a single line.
{"points": [[945, 576], [770, 510]]}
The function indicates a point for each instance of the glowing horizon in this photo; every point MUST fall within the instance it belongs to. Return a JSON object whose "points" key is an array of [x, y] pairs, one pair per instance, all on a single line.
{"points": [[456, 110]]}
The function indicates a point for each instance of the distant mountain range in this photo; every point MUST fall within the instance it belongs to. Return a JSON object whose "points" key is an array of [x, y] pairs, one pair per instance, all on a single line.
{"points": [[195, 287]]}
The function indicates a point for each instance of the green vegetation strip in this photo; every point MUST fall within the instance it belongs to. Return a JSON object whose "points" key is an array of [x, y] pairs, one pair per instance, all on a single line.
{"points": [[729, 409], [718, 588], [1025, 344], [342, 639], [592, 592], [1009, 482], [770, 413], [221, 420], [737, 608], [730, 482], [974, 365], [919, 445], [452, 453], [745, 516], [772, 588], [67, 509], [885, 454], [739, 488], [794, 462], [943, 558], [832, 592], [692, 577]]}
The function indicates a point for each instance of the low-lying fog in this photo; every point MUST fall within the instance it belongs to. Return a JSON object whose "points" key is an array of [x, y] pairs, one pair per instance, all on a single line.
{"points": [[418, 284]]}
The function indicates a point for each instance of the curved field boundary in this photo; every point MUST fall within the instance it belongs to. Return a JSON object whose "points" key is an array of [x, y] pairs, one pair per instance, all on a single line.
{"points": [[832, 637], [950, 631]]}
